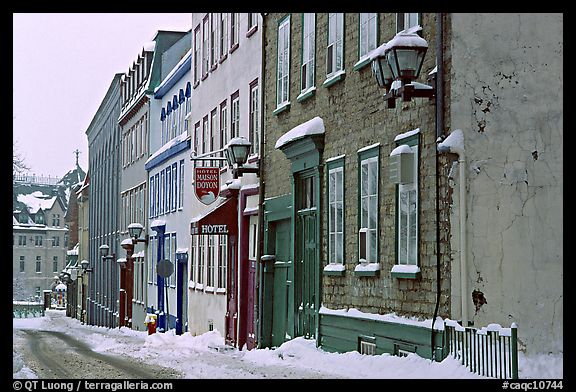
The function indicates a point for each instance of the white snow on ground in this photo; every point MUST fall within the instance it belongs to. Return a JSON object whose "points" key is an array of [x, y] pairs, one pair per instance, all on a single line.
{"points": [[198, 356]]}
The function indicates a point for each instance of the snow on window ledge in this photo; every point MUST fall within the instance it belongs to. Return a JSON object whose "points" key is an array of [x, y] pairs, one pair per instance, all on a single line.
{"points": [[406, 271], [367, 269], [335, 269], [334, 77]]}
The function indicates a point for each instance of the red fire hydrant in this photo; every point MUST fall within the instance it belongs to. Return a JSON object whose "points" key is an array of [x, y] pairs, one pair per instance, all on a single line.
{"points": [[150, 322]]}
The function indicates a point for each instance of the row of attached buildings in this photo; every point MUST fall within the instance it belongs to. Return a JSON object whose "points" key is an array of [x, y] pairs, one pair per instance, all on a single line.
{"points": [[361, 215]]}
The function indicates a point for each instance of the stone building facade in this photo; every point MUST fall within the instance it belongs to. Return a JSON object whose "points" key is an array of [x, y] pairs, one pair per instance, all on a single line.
{"points": [[357, 122]]}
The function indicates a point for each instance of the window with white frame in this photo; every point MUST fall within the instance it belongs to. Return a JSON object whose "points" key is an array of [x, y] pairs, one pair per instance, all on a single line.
{"points": [[162, 192], [214, 39], [167, 255], [308, 50], [336, 212], [197, 57], [175, 183], [234, 30], [205, 131], [211, 261], [406, 20], [38, 264], [193, 246], [369, 206], [252, 21], [252, 238], [235, 115], [205, 46], [201, 258], [169, 190], [213, 127], [222, 260], [197, 137], [157, 191], [368, 33], [407, 230], [181, 186], [22, 263], [223, 126], [223, 34], [254, 121], [151, 198], [335, 50], [283, 67], [55, 264]]}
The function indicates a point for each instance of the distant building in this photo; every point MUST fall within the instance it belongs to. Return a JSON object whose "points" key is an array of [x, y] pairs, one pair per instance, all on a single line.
{"points": [[40, 234], [104, 159]]}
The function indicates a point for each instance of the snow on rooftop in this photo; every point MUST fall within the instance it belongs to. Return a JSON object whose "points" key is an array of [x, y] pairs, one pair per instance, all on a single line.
{"points": [[180, 138], [36, 200], [311, 127], [149, 46]]}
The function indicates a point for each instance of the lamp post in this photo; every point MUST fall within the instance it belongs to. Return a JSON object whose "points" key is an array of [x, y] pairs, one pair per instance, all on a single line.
{"points": [[84, 268]]}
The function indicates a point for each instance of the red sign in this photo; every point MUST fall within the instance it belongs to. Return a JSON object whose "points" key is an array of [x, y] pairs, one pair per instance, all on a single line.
{"points": [[207, 184]]}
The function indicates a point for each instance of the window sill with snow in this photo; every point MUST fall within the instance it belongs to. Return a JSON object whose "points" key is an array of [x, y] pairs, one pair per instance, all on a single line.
{"points": [[405, 271], [367, 269]]}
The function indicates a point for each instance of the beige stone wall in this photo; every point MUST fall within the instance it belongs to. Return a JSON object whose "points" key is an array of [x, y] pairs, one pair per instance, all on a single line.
{"points": [[355, 116]]}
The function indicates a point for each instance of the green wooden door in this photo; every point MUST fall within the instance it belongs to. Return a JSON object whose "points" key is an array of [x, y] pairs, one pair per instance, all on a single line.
{"points": [[283, 308], [307, 274]]}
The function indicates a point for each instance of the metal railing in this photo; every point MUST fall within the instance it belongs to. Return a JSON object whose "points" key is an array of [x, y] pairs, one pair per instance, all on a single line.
{"points": [[490, 351], [27, 309]]}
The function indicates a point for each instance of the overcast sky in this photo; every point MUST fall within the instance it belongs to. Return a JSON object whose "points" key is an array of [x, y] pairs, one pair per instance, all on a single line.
{"points": [[63, 66]]}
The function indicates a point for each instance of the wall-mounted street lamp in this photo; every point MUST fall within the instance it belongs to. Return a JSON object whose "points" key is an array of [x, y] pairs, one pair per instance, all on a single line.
{"points": [[397, 63], [135, 230], [237, 151], [104, 250], [84, 264]]}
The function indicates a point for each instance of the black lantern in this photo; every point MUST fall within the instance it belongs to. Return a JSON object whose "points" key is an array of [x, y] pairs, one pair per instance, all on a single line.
{"points": [[135, 229], [380, 67], [237, 151], [405, 54], [104, 249]]}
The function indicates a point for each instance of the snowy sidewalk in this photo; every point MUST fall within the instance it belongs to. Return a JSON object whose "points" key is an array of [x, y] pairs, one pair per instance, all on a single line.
{"points": [[197, 356]]}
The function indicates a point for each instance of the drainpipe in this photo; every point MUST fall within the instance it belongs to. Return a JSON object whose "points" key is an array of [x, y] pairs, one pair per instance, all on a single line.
{"points": [[454, 143], [439, 136]]}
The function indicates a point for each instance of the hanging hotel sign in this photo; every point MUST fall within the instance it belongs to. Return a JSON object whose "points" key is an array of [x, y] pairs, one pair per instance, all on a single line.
{"points": [[207, 184]]}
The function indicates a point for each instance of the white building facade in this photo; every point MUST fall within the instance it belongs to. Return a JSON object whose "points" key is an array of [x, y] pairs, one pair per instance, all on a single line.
{"points": [[226, 100], [168, 205]]}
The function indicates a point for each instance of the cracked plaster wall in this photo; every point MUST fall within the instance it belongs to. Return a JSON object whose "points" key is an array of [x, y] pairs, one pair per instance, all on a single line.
{"points": [[506, 85]]}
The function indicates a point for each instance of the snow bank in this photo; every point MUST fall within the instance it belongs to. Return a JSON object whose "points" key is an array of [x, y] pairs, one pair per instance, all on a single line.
{"points": [[200, 356]]}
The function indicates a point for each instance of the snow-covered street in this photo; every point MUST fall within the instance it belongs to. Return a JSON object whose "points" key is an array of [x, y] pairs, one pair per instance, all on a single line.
{"points": [[64, 339]]}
